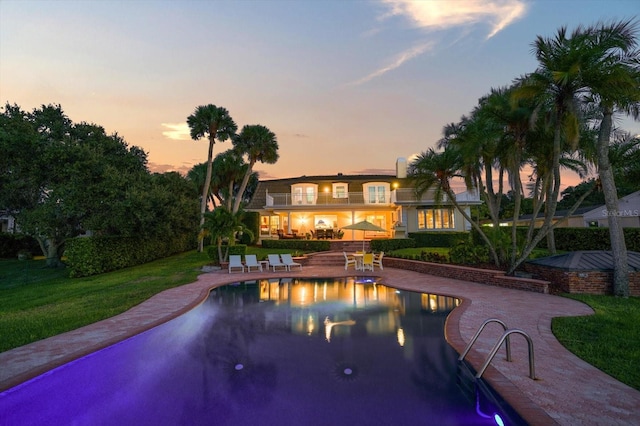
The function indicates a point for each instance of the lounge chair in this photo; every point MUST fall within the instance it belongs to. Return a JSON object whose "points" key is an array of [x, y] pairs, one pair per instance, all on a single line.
{"points": [[275, 262], [349, 260], [377, 260], [288, 260], [251, 261], [367, 261], [235, 261]]}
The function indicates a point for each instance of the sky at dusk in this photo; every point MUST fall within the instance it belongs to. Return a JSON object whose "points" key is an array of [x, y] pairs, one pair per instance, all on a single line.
{"points": [[346, 86]]}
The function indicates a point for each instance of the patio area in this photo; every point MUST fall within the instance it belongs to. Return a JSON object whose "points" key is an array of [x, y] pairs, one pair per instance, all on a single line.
{"points": [[567, 390]]}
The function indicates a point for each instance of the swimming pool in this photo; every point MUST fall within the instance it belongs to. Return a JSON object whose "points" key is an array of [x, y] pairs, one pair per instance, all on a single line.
{"points": [[269, 352]]}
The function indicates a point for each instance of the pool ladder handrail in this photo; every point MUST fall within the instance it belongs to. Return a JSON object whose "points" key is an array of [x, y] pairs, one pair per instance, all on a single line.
{"points": [[496, 347]]}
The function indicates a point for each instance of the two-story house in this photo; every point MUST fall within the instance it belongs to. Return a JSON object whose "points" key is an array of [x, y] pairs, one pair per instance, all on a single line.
{"points": [[306, 204]]}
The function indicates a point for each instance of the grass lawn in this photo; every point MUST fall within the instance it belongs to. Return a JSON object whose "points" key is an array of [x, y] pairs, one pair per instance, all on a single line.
{"points": [[36, 303], [608, 340]]}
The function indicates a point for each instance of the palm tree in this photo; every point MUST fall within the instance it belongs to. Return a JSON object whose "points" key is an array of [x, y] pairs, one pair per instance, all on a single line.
{"points": [[433, 169], [230, 168], [555, 87], [613, 77], [259, 144], [214, 123], [221, 224]]}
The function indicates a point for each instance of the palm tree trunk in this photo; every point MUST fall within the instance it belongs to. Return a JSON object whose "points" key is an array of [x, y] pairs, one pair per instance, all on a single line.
{"points": [[205, 189], [243, 186], [476, 226], [616, 233]]}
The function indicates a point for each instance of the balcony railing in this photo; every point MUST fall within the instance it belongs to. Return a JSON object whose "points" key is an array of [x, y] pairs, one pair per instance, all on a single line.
{"points": [[401, 195], [322, 199]]}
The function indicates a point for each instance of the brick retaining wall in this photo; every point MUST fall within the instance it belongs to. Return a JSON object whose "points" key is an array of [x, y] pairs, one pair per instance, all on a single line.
{"points": [[483, 276], [588, 282]]}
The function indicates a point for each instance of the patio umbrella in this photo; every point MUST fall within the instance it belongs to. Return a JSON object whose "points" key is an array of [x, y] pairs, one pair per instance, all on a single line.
{"points": [[364, 226]]}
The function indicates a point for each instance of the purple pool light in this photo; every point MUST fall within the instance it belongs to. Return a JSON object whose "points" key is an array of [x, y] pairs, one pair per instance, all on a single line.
{"points": [[267, 352]]}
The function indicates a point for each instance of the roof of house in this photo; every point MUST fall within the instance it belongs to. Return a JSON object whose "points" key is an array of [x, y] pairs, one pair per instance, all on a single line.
{"points": [[283, 186], [593, 260], [559, 213]]}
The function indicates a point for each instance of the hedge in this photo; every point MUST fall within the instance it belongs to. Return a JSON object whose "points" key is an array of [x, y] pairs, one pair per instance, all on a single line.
{"points": [[438, 239], [302, 245], [391, 244], [574, 239], [95, 255]]}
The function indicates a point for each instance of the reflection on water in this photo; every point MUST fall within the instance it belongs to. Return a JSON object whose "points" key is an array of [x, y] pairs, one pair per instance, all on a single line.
{"points": [[268, 352]]}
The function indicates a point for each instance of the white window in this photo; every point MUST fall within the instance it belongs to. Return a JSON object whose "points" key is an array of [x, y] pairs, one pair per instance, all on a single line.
{"points": [[340, 190], [304, 193], [376, 193]]}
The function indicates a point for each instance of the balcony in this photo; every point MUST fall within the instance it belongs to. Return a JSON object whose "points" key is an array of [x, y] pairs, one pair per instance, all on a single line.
{"points": [[397, 196], [324, 199]]}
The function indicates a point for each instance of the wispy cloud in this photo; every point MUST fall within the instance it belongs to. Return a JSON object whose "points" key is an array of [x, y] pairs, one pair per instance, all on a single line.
{"points": [[396, 62], [438, 15], [176, 131], [433, 15]]}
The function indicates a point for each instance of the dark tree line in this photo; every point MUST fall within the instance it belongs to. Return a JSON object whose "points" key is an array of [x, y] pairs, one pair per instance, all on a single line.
{"points": [[61, 179]]}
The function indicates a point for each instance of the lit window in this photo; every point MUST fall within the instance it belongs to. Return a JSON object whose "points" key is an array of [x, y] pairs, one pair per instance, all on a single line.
{"points": [[435, 218]]}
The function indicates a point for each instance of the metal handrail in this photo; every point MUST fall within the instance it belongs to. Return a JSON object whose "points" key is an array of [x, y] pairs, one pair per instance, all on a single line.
{"points": [[475, 337], [504, 337]]}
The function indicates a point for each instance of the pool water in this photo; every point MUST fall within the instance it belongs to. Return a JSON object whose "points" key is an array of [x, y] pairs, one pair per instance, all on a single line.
{"points": [[348, 351]]}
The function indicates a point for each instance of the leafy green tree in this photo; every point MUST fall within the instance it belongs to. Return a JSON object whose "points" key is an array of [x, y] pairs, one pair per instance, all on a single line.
{"points": [[213, 123], [258, 143], [63, 176]]}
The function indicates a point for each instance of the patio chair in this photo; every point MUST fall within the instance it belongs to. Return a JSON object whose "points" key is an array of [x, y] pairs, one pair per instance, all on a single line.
{"points": [[367, 261], [377, 260], [275, 262], [288, 260], [349, 260], [251, 261], [235, 261]]}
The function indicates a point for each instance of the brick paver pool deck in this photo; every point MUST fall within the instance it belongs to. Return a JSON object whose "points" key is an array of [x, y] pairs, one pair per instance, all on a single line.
{"points": [[567, 390]]}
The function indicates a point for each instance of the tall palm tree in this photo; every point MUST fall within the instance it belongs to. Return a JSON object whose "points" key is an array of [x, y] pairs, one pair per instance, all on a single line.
{"points": [[258, 143], [555, 87], [613, 77], [214, 123]]}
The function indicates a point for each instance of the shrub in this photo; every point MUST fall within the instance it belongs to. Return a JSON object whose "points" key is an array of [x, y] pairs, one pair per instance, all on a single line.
{"points": [[429, 256], [468, 254], [388, 245]]}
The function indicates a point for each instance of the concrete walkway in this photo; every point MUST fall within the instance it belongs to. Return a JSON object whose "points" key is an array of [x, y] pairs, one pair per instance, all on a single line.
{"points": [[566, 391]]}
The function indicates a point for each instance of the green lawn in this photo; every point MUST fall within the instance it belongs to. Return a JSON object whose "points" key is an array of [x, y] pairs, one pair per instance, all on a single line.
{"points": [[36, 303], [609, 340]]}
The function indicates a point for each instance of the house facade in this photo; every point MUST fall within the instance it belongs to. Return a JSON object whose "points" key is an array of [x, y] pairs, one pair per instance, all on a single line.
{"points": [[304, 205]]}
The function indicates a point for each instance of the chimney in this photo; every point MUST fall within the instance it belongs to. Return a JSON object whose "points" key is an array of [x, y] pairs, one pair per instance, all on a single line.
{"points": [[401, 168]]}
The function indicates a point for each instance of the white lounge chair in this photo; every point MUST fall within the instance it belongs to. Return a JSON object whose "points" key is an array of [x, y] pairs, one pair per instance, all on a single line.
{"points": [[377, 260], [235, 261], [275, 262], [288, 260], [251, 261], [367, 261], [349, 260]]}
